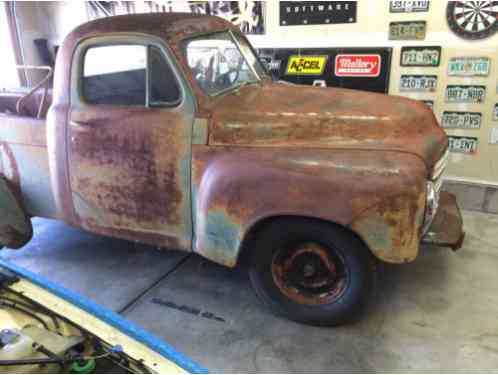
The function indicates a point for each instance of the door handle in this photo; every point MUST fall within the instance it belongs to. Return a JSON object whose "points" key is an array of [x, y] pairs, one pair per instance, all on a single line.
{"points": [[80, 126]]}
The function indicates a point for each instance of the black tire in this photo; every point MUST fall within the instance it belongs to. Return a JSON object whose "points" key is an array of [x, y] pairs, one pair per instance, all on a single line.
{"points": [[312, 272]]}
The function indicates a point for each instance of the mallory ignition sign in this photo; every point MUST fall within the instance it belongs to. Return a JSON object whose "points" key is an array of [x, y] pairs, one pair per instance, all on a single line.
{"points": [[357, 65]]}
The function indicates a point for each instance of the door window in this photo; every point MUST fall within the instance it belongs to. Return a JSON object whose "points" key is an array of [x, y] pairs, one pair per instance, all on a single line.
{"points": [[128, 75]]}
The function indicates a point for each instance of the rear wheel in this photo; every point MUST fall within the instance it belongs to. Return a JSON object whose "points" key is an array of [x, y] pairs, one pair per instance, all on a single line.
{"points": [[311, 272]]}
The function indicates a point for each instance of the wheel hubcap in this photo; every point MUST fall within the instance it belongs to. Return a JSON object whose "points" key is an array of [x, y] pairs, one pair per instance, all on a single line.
{"points": [[310, 274]]}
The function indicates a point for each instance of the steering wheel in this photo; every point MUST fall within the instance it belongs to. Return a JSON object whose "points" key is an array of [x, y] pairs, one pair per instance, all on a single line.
{"points": [[225, 78]]}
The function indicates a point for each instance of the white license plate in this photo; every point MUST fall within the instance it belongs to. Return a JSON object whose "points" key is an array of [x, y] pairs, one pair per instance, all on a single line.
{"points": [[461, 120], [420, 56], [465, 94], [411, 30], [469, 66], [464, 145], [418, 83], [408, 6]]}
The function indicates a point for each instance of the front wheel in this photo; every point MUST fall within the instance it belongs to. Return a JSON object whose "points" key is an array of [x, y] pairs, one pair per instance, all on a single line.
{"points": [[312, 272]]}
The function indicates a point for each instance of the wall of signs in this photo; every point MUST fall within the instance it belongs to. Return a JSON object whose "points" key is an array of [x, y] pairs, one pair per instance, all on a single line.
{"points": [[444, 54]]}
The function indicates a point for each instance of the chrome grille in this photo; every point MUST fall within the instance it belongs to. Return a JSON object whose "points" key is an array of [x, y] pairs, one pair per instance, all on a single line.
{"points": [[437, 176]]}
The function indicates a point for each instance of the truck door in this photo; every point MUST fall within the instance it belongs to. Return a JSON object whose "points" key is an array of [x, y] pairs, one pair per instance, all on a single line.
{"points": [[129, 141]]}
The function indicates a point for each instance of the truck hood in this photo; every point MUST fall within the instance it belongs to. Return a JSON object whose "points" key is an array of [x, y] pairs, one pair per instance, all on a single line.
{"points": [[275, 114]]}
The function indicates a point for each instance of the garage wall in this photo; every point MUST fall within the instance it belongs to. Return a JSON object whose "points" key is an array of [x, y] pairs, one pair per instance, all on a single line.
{"points": [[62, 17], [32, 27], [49, 20]]}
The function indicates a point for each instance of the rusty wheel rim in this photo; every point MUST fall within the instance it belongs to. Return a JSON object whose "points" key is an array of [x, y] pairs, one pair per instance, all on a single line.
{"points": [[310, 274]]}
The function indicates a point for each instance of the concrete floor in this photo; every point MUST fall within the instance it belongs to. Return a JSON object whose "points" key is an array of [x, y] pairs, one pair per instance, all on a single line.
{"points": [[439, 313]]}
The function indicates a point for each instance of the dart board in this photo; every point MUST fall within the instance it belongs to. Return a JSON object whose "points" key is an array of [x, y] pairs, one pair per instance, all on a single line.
{"points": [[473, 19]]}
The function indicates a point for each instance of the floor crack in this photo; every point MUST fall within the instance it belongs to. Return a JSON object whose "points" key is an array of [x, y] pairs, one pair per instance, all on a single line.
{"points": [[146, 290]]}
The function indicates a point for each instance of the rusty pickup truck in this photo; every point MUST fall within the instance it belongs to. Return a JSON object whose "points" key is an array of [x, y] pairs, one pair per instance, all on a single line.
{"points": [[167, 130]]}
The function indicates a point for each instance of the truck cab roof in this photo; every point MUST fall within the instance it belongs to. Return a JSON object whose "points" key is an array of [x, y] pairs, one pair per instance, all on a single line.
{"points": [[170, 26]]}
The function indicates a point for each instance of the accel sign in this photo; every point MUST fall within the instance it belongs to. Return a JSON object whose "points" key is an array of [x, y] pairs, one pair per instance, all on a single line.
{"points": [[357, 65], [312, 65]]}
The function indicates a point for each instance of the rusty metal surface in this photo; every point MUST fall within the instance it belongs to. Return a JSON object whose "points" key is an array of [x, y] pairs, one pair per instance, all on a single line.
{"points": [[125, 168], [24, 163], [275, 115], [309, 274], [137, 187], [235, 188], [447, 227], [30, 105], [23, 130]]}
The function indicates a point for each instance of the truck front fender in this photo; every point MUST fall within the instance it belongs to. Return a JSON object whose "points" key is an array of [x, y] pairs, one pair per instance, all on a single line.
{"points": [[15, 227], [233, 189]]}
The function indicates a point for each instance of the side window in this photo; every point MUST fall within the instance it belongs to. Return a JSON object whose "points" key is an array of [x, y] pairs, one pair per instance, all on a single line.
{"points": [[128, 75], [115, 75], [163, 87]]}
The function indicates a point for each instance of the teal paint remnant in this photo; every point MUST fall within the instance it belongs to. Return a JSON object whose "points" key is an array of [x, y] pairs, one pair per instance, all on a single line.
{"points": [[222, 239]]}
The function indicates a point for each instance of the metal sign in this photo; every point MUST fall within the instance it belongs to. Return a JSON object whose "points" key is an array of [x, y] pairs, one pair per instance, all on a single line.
{"points": [[493, 139], [317, 12], [469, 66], [464, 145], [418, 83], [420, 56], [461, 120], [310, 65], [408, 6], [465, 94], [355, 68], [357, 65], [409, 30]]}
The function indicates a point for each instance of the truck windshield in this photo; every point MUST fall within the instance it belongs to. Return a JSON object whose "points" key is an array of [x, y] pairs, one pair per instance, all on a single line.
{"points": [[221, 62]]}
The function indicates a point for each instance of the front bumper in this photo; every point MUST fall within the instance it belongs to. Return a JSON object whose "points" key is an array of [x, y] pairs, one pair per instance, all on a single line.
{"points": [[446, 229]]}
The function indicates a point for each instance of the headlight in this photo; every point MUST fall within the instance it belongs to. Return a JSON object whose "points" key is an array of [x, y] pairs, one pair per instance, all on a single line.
{"points": [[431, 205]]}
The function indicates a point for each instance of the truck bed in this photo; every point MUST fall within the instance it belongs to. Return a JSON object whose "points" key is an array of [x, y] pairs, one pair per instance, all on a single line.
{"points": [[23, 153]]}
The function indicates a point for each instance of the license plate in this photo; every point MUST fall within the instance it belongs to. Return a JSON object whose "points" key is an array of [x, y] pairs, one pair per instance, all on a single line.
{"points": [[493, 139], [410, 30], [418, 83], [420, 56], [465, 94], [461, 120], [469, 66], [464, 145], [408, 6]]}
